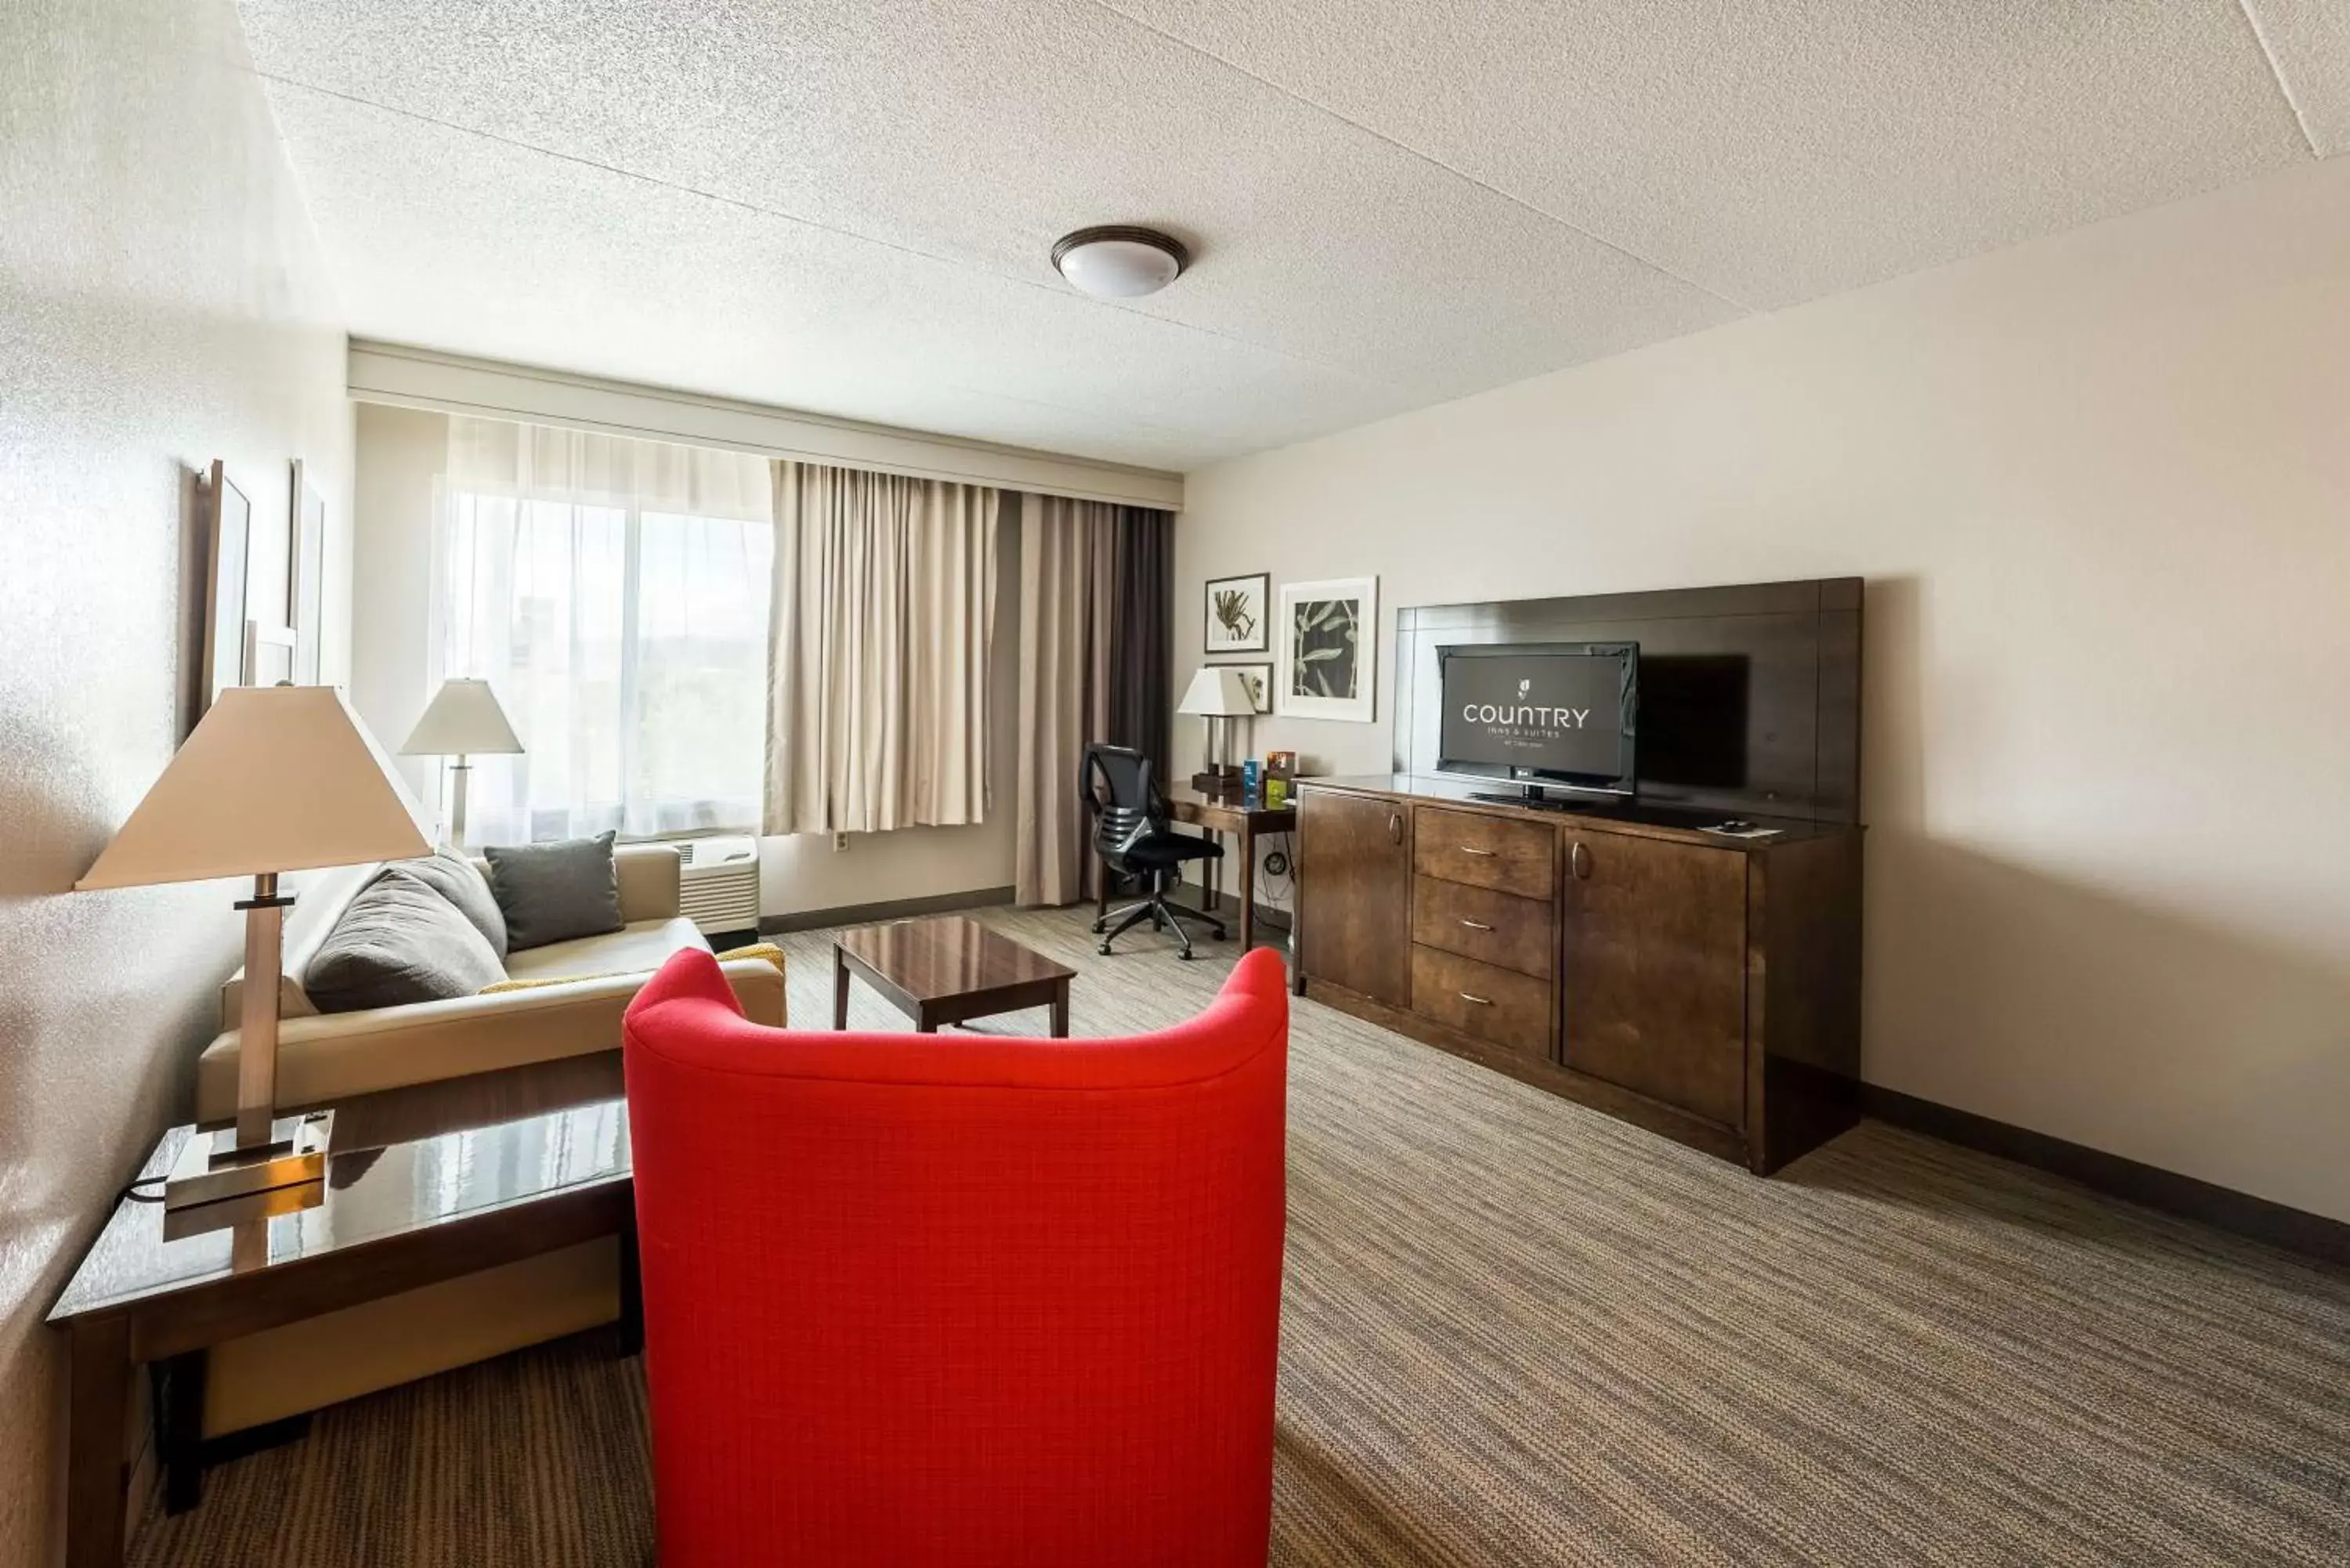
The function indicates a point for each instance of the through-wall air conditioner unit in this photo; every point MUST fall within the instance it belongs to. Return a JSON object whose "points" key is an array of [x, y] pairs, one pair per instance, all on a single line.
{"points": [[719, 880]]}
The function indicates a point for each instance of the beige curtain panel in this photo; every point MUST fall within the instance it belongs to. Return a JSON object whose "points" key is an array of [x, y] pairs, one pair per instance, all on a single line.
{"points": [[1066, 560], [884, 597]]}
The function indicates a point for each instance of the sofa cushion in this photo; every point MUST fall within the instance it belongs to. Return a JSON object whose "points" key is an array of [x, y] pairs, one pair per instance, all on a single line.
{"points": [[453, 876], [556, 892], [399, 942], [638, 947], [324, 895], [769, 951]]}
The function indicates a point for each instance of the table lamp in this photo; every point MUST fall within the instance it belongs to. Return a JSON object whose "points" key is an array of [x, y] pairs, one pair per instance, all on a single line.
{"points": [[463, 720], [1217, 692], [274, 778]]}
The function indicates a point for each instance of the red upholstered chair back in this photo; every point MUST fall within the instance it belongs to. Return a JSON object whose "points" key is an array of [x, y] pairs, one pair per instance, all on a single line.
{"points": [[939, 1301]]}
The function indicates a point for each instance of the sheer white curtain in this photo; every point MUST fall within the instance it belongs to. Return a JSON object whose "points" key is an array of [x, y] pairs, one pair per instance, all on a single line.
{"points": [[615, 595]]}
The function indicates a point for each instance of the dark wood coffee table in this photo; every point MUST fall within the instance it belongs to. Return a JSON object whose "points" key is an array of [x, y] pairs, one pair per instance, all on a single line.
{"points": [[948, 970]]}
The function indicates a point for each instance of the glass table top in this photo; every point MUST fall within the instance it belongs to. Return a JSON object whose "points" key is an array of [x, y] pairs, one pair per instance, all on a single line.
{"points": [[370, 1194], [941, 956]]}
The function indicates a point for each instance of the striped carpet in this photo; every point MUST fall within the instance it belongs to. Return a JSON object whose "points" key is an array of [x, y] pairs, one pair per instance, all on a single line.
{"points": [[1516, 1332]]}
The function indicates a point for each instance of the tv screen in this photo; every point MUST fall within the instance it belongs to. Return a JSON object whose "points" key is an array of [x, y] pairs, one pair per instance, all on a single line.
{"points": [[1554, 712]]}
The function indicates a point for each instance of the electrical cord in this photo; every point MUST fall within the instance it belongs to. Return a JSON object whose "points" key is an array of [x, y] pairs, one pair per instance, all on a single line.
{"points": [[1277, 873]]}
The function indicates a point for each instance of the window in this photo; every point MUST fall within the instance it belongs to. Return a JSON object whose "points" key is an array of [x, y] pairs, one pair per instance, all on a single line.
{"points": [[615, 595]]}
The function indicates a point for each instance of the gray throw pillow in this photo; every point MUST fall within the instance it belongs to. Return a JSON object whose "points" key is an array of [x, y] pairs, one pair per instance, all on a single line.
{"points": [[554, 892], [450, 875], [399, 942]]}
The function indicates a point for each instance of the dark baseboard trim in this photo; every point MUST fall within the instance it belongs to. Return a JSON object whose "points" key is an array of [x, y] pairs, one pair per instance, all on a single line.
{"points": [[250, 1440], [895, 910], [2222, 1208]]}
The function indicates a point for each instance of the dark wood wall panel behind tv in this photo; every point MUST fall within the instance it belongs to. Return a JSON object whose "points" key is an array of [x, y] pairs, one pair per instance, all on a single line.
{"points": [[1749, 695]]}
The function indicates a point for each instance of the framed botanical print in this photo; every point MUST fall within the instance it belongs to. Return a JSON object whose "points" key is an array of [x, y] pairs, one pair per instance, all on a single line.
{"points": [[269, 655], [1259, 680], [230, 526], [1236, 618], [1328, 650], [309, 583]]}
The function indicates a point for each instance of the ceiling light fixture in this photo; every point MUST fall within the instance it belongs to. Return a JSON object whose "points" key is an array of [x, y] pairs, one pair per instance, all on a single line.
{"points": [[1120, 262]]}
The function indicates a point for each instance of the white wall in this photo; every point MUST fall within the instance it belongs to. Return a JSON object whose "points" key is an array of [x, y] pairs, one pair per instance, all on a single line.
{"points": [[402, 453], [160, 305], [2100, 488]]}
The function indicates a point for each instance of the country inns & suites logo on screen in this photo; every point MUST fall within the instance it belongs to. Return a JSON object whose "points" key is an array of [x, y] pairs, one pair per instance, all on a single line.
{"points": [[1526, 719]]}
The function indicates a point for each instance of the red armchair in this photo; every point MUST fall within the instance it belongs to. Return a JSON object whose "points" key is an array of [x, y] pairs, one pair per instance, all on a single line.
{"points": [[946, 1302]]}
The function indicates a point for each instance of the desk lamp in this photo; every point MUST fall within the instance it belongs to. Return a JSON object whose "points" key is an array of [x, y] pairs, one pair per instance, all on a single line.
{"points": [[274, 779]]}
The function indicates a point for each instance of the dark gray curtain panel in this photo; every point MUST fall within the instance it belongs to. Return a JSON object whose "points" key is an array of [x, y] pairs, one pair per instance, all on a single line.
{"points": [[1096, 583]]}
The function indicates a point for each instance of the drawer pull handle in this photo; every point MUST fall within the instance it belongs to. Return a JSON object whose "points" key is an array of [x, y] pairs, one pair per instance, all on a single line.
{"points": [[1480, 1001], [1472, 849], [1477, 925]]}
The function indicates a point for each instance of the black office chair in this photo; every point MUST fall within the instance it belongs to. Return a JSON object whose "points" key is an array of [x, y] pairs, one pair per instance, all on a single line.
{"points": [[1131, 834]]}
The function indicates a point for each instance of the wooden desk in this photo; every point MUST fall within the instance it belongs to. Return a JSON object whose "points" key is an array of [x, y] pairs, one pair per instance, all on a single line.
{"points": [[386, 1220], [1245, 819]]}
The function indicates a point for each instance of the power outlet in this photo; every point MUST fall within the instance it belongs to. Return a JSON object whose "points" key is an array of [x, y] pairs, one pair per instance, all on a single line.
{"points": [[839, 842]]}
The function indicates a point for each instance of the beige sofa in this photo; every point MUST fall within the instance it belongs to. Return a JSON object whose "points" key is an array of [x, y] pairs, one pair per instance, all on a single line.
{"points": [[335, 1058]]}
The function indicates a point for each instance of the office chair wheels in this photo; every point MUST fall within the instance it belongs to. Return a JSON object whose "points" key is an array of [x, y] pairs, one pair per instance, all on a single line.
{"points": [[1185, 955], [1100, 926], [1104, 949]]}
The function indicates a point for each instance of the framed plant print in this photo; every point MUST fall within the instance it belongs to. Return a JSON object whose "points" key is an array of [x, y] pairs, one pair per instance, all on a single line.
{"points": [[229, 547], [1236, 618], [1329, 653], [1259, 679], [309, 577], [269, 655]]}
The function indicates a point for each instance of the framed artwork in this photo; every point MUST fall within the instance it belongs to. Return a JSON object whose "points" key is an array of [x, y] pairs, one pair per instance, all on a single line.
{"points": [[1259, 677], [269, 655], [309, 575], [1328, 655], [229, 552], [1236, 621]]}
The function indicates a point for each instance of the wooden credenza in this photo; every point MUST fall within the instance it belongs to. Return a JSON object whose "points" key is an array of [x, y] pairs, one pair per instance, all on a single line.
{"points": [[1704, 987]]}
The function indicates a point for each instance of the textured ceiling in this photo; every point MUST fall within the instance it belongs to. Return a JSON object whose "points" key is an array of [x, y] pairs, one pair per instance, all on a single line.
{"points": [[846, 205], [2309, 40]]}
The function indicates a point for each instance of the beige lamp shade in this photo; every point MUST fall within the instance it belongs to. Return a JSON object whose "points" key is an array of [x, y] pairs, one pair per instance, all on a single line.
{"points": [[275, 778], [1217, 693], [464, 718]]}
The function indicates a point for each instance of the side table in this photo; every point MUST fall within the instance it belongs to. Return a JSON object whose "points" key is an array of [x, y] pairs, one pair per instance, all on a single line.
{"points": [[384, 1219]]}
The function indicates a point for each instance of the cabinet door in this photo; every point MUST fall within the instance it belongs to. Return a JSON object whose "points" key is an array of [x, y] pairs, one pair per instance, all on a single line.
{"points": [[1655, 984], [1354, 893]]}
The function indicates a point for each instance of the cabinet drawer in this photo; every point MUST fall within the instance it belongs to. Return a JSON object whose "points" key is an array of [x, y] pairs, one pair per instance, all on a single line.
{"points": [[1492, 1003], [1479, 923], [1519, 858]]}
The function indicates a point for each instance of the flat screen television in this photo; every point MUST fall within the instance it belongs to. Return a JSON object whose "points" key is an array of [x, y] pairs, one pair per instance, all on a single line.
{"points": [[1541, 713]]}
